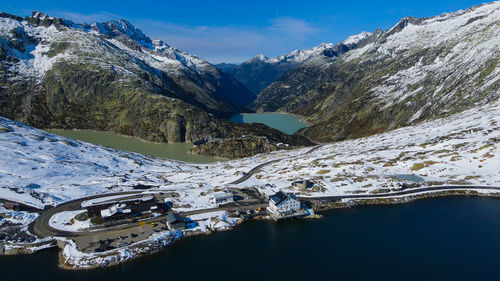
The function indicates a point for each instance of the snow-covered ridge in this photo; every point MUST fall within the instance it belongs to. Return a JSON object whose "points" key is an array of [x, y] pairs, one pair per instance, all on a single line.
{"points": [[354, 39], [301, 56], [460, 18], [297, 56], [452, 48], [30, 39], [155, 48]]}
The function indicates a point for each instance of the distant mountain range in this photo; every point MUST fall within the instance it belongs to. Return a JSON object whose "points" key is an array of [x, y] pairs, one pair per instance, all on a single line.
{"points": [[419, 69], [259, 72]]}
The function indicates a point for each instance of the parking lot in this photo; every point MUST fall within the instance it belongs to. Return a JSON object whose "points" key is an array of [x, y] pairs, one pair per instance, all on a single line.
{"points": [[118, 238]]}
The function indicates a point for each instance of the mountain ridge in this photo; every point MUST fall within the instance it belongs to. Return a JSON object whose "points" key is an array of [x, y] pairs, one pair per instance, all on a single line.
{"points": [[110, 76], [260, 71], [417, 70]]}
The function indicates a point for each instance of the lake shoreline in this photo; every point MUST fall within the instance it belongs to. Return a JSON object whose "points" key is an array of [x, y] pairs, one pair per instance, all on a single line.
{"points": [[287, 123], [319, 208], [172, 151], [302, 118]]}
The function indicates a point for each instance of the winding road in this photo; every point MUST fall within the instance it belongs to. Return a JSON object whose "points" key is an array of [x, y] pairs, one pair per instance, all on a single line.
{"points": [[41, 227], [405, 192], [250, 173]]}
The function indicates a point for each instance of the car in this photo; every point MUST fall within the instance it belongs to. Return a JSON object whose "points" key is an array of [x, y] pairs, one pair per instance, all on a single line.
{"points": [[133, 235]]}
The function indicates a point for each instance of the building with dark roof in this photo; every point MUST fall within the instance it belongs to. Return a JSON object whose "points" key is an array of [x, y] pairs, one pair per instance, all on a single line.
{"points": [[176, 222], [220, 198], [303, 184]]}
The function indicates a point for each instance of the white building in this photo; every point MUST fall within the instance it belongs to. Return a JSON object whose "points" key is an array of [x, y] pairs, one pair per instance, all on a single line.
{"points": [[283, 204], [220, 198], [113, 210]]}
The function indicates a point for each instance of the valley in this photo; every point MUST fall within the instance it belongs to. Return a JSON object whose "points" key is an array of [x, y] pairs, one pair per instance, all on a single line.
{"points": [[115, 145]]}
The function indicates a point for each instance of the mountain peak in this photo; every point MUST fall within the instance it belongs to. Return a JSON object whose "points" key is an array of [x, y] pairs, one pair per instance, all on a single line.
{"points": [[115, 28], [354, 39], [39, 15], [261, 57], [40, 19], [403, 23]]}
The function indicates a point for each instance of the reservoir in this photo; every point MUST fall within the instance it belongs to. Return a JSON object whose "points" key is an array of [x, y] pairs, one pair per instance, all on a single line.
{"points": [[175, 151], [453, 238], [286, 123]]}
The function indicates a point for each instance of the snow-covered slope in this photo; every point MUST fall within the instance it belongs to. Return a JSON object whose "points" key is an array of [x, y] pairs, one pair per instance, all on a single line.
{"points": [[35, 43], [418, 70], [39, 168], [466, 42]]}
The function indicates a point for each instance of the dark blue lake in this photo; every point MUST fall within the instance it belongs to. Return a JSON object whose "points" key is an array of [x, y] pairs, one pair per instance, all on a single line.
{"points": [[455, 238]]}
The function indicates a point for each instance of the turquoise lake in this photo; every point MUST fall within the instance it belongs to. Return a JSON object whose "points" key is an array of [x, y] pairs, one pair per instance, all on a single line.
{"points": [[286, 123]]}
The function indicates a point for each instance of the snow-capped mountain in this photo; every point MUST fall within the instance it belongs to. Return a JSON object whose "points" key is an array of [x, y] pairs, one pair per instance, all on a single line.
{"points": [[419, 69], [260, 71], [298, 56], [110, 76]]}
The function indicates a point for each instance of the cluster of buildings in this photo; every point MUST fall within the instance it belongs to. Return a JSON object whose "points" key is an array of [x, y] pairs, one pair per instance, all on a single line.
{"points": [[129, 209], [125, 209], [282, 205]]}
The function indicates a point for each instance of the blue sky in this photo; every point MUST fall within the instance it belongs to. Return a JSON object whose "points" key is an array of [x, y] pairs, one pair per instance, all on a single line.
{"points": [[234, 31]]}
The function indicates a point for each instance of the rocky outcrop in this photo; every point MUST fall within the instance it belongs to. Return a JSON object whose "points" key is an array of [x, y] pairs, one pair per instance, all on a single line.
{"points": [[236, 148], [248, 145]]}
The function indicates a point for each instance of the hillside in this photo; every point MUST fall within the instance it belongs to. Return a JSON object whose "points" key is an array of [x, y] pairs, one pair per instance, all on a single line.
{"points": [[110, 76], [420, 69], [460, 149]]}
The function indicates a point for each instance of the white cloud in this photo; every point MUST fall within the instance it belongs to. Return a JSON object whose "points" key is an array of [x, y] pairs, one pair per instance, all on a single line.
{"points": [[293, 26]]}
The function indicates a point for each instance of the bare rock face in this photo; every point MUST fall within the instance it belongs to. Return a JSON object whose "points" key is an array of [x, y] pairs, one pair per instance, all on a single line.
{"points": [[246, 146], [236, 148]]}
